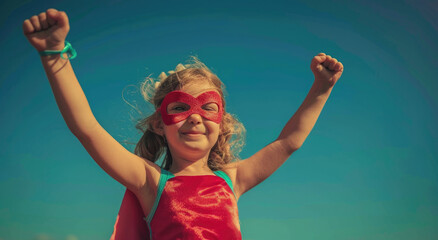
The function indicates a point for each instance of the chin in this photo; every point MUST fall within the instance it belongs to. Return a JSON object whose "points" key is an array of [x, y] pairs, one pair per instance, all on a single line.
{"points": [[195, 148]]}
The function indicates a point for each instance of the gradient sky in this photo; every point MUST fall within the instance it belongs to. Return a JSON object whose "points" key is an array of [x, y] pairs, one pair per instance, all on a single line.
{"points": [[368, 170]]}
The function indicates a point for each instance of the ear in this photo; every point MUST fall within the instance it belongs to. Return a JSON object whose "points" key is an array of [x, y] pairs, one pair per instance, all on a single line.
{"points": [[158, 128]]}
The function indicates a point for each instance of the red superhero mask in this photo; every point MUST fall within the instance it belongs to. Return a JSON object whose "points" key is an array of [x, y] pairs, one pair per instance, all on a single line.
{"points": [[195, 104]]}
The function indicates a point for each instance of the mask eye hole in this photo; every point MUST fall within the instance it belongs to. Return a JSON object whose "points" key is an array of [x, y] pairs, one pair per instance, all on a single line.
{"points": [[177, 107], [211, 107]]}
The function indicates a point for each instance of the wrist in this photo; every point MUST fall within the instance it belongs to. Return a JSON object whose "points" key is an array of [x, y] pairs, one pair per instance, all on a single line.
{"points": [[52, 47], [58, 47], [60, 50], [321, 88]]}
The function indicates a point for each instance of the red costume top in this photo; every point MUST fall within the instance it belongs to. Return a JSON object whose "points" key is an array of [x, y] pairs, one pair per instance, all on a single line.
{"points": [[186, 207]]}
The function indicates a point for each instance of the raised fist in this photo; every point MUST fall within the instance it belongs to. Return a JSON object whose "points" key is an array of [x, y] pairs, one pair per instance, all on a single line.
{"points": [[327, 70], [48, 30]]}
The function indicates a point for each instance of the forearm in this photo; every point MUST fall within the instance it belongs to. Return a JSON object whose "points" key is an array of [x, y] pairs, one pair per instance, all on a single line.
{"points": [[299, 126], [68, 93]]}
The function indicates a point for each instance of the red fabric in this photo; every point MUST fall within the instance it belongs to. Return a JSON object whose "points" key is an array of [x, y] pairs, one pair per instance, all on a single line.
{"points": [[196, 207], [130, 224], [190, 207], [195, 106]]}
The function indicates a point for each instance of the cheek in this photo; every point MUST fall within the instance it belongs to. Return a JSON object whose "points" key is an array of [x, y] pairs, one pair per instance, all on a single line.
{"points": [[173, 129], [178, 125], [214, 128]]}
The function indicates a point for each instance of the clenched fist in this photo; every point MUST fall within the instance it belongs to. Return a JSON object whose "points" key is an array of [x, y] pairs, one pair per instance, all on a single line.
{"points": [[327, 70], [48, 30]]}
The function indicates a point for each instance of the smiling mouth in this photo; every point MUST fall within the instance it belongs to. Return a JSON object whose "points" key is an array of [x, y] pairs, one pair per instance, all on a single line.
{"points": [[193, 133]]}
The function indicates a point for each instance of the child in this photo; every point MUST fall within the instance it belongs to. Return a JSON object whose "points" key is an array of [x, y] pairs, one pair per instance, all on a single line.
{"points": [[194, 195]]}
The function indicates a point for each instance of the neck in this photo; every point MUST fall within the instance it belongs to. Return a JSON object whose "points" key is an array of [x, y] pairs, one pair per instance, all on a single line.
{"points": [[185, 166]]}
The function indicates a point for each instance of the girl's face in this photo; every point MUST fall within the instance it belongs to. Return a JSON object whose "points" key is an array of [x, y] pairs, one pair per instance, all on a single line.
{"points": [[193, 137]]}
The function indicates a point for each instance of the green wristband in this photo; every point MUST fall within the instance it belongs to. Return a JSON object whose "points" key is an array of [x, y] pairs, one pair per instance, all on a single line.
{"points": [[71, 52]]}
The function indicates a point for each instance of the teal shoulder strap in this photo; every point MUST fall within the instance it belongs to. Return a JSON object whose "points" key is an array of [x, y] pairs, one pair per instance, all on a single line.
{"points": [[164, 176], [226, 178]]}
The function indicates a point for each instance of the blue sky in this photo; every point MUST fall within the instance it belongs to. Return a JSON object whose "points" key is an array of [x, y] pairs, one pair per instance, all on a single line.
{"points": [[368, 170]]}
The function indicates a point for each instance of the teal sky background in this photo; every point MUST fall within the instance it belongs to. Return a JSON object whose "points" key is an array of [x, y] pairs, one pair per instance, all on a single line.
{"points": [[368, 170]]}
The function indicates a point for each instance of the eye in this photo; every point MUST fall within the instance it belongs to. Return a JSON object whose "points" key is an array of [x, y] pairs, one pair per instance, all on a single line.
{"points": [[177, 107], [213, 107]]}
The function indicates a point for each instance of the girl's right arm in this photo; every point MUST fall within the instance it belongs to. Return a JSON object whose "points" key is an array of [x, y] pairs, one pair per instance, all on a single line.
{"points": [[48, 31]]}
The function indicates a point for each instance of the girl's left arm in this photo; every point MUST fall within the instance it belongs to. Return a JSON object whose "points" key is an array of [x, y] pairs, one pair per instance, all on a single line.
{"points": [[252, 171]]}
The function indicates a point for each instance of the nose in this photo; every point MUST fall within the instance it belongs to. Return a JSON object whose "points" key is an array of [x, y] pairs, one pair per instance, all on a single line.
{"points": [[195, 118]]}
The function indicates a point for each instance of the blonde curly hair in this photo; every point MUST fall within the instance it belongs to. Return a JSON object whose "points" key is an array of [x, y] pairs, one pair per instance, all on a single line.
{"points": [[152, 146]]}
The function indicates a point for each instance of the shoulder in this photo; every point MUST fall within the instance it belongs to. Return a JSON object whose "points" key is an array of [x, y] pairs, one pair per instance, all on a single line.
{"points": [[147, 193], [231, 170], [151, 177], [153, 172]]}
